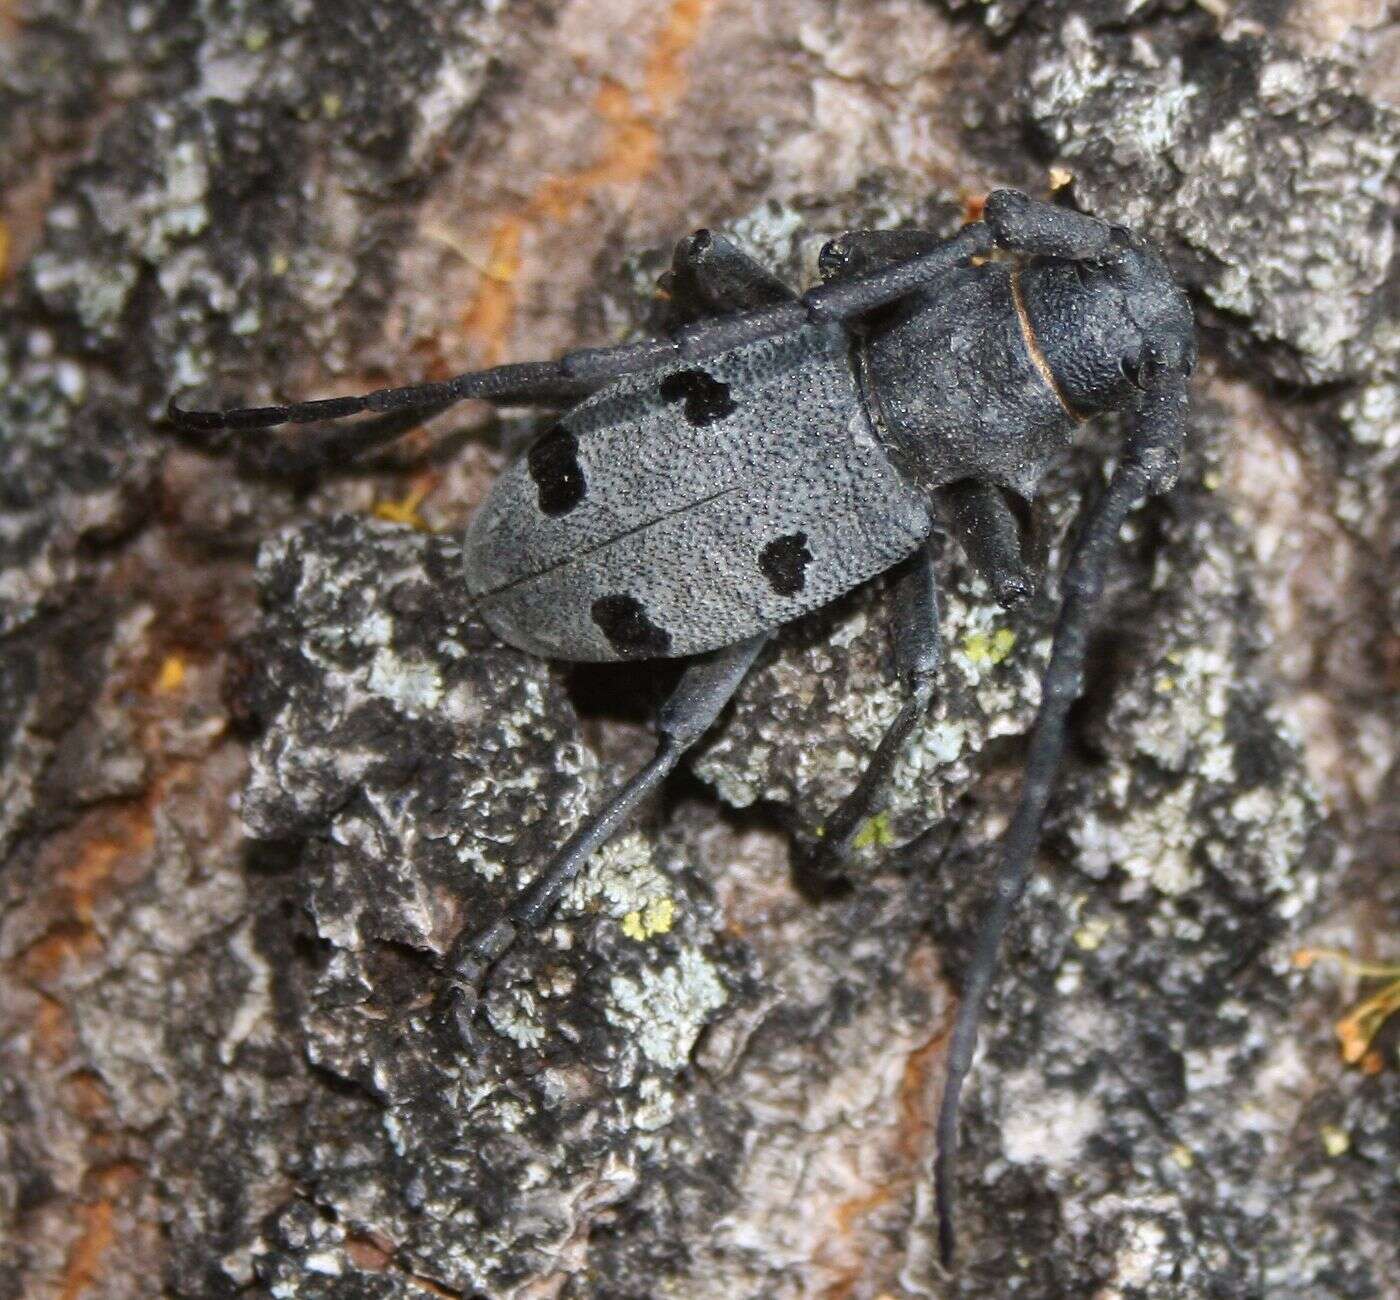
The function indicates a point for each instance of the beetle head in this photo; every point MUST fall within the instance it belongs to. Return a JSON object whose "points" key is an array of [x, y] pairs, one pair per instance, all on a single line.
{"points": [[1109, 327]]}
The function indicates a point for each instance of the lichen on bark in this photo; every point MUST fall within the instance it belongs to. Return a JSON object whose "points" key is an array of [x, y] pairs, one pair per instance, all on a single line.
{"points": [[259, 759]]}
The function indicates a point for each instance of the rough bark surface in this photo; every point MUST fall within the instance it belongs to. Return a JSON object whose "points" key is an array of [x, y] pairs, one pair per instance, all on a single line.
{"points": [[258, 760]]}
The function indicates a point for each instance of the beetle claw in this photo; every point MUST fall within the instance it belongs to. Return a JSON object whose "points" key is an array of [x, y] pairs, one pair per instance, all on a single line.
{"points": [[454, 1018]]}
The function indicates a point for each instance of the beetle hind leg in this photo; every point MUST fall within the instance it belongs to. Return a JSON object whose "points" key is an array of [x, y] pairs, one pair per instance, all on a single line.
{"points": [[702, 692]]}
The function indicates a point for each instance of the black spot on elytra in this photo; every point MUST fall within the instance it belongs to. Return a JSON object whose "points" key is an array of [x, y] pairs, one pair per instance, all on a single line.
{"points": [[553, 463], [706, 398], [784, 563], [623, 620]]}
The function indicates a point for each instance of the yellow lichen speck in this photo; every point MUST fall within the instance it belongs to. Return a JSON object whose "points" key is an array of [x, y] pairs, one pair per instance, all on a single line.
{"points": [[657, 917], [982, 648], [1091, 934], [171, 676], [1334, 1140], [875, 834], [405, 510]]}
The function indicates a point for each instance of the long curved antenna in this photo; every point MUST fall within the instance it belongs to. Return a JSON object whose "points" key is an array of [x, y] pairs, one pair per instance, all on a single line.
{"points": [[1148, 466]]}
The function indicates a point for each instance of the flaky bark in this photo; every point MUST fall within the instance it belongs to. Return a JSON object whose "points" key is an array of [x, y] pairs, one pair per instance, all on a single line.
{"points": [[258, 759]]}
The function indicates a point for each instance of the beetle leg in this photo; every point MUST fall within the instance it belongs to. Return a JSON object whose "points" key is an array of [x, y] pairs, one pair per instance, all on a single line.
{"points": [[703, 690], [858, 252], [1020, 224], [711, 276], [918, 654], [983, 522], [1148, 465], [980, 517]]}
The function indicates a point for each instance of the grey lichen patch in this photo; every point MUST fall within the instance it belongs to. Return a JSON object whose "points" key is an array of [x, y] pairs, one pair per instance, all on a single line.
{"points": [[420, 819], [805, 724], [1047, 1127], [371, 678], [1198, 834], [1300, 250], [665, 1009], [109, 230], [622, 878]]}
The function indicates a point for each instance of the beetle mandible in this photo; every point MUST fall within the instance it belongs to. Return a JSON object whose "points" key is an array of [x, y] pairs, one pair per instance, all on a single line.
{"points": [[702, 488]]}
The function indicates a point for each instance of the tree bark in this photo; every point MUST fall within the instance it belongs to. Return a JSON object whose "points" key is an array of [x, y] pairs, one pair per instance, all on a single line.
{"points": [[259, 759]]}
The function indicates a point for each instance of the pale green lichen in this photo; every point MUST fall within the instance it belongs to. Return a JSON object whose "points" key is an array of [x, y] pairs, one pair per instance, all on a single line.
{"points": [[875, 834], [622, 877], [666, 1009]]}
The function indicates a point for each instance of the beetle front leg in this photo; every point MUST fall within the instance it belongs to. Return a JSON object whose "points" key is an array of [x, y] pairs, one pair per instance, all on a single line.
{"points": [[859, 252], [1021, 224], [980, 518], [703, 690], [918, 655]]}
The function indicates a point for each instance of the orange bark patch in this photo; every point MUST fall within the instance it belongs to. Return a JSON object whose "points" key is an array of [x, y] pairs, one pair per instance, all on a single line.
{"points": [[368, 1254], [631, 147], [45, 957], [123, 833], [132, 832], [128, 831], [53, 1029], [850, 1212], [87, 1096], [82, 1271]]}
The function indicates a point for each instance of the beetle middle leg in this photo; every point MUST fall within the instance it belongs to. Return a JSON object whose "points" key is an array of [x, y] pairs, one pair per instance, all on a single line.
{"points": [[703, 690], [979, 517], [918, 653], [711, 276]]}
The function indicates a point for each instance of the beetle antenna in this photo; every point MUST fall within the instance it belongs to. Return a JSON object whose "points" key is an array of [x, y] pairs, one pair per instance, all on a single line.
{"points": [[525, 383], [1148, 466], [577, 374]]}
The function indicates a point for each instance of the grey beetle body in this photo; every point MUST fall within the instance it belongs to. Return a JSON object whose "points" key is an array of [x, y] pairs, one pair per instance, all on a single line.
{"points": [[690, 526], [772, 451]]}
